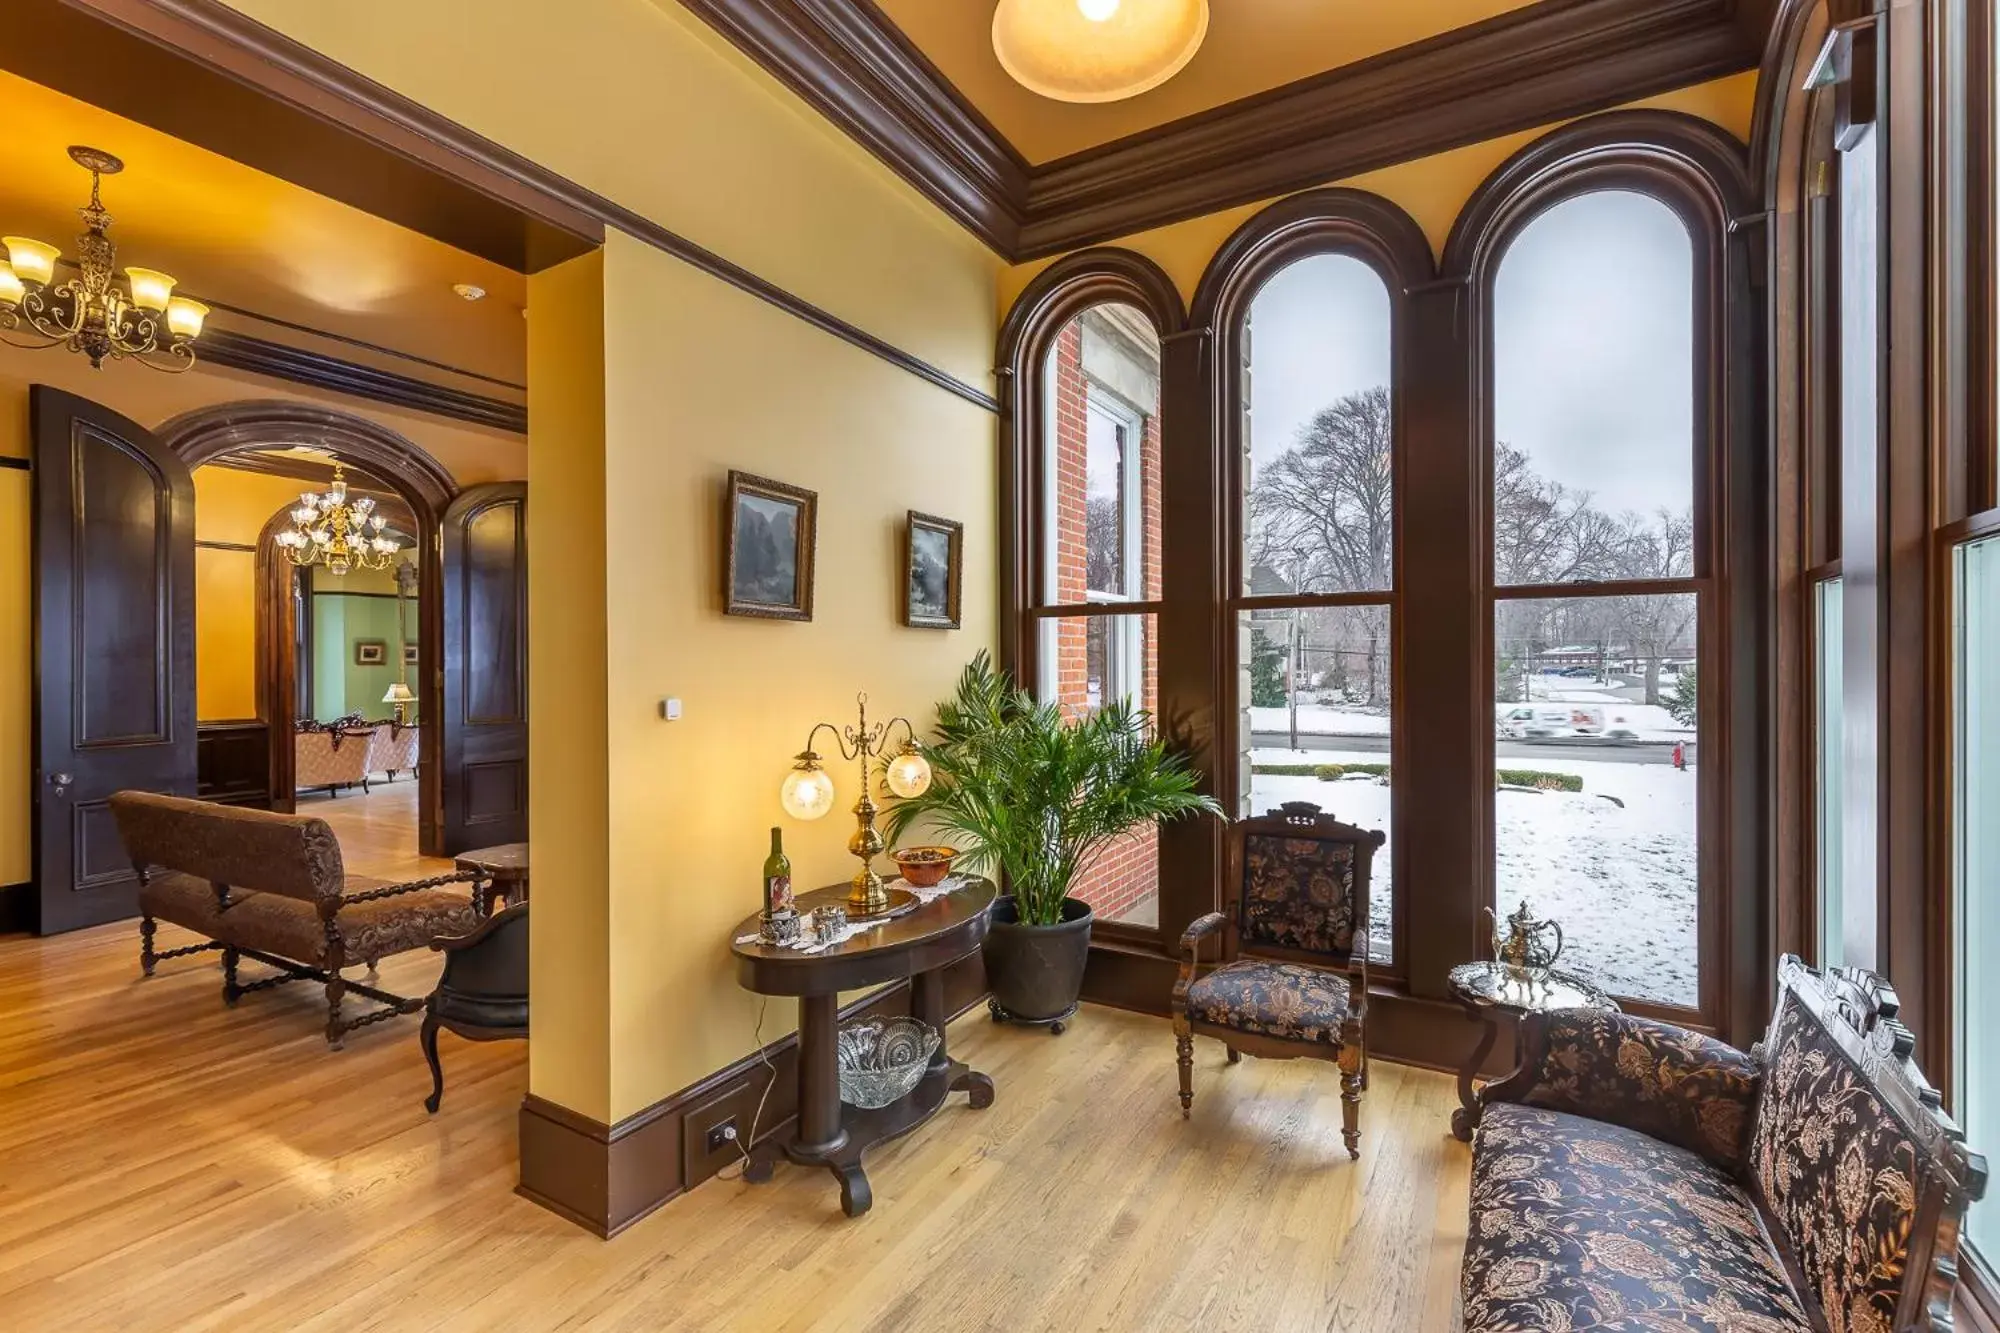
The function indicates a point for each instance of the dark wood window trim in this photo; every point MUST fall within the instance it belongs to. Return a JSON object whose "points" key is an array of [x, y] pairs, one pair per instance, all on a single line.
{"points": [[1059, 294], [1441, 372], [1370, 229], [1701, 175]]}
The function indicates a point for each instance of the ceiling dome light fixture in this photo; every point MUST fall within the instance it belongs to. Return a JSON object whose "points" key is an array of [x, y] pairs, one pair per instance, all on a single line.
{"points": [[1096, 50]]}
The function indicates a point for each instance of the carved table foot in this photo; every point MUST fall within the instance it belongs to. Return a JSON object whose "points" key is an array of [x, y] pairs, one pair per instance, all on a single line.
{"points": [[856, 1197], [977, 1084]]}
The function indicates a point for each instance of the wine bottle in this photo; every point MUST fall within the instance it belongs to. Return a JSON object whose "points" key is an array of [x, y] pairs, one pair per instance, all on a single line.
{"points": [[777, 877]]}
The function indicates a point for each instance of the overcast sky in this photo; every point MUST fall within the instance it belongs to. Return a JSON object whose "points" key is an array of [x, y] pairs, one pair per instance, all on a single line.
{"points": [[1593, 363]]}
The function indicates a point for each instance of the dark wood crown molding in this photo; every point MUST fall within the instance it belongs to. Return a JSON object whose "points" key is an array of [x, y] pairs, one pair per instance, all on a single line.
{"points": [[856, 68], [233, 430], [261, 356], [1531, 66]]}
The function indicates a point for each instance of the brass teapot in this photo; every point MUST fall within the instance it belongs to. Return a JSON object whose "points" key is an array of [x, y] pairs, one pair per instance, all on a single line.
{"points": [[1525, 949]]}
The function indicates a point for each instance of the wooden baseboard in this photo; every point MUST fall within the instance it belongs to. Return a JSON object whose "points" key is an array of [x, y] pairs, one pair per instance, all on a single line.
{"points": [[17, 907], [606, 1177]]}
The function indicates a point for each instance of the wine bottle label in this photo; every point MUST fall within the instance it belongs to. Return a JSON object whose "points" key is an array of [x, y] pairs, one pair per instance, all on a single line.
{"points": [[778, 893]]}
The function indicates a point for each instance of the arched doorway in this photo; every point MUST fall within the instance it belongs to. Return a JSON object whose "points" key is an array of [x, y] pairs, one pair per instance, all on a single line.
{"points": [[418, 481]]}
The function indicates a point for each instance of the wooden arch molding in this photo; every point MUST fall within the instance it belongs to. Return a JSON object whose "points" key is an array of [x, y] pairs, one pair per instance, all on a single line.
{"points": [[1702, 175], [1060, 293], [1337, 220], [211, 435]]}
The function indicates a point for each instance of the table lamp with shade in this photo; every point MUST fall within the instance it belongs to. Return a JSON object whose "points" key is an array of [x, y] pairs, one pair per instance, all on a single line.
{"points": [[399, 695], [808, 794]]}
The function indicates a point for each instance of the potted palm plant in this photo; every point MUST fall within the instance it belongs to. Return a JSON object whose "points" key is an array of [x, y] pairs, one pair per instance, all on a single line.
{"points": [[1033, 797]]}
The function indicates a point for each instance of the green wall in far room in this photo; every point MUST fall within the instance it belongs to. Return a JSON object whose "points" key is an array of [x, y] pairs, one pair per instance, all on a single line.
{"points": [[339, 685]]}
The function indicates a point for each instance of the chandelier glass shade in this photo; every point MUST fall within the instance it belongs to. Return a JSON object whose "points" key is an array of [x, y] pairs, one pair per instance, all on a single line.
{"points": [[336, 533], [91, 313], [1096, 50]]}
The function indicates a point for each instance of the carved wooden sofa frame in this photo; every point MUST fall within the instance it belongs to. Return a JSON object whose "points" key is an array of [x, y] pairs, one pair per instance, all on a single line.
{"points": [[272, 888], [1826, 1133]]}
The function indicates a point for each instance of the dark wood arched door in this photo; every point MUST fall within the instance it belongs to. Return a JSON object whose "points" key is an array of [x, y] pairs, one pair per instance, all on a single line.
{"points": [[483, 676], [114, 634]]}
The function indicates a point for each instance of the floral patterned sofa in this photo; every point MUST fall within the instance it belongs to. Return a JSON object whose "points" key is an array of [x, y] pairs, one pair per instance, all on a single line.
{"points": [[1635, 1175]]}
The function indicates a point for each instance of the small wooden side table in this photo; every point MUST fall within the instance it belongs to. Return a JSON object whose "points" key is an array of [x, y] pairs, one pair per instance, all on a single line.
{"points": [[506, 866], [919, 946], [1488, 990]]}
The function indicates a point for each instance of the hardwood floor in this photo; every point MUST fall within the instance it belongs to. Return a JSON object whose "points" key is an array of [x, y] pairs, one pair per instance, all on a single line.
{"points": [[169, 1164], [377, 830]]}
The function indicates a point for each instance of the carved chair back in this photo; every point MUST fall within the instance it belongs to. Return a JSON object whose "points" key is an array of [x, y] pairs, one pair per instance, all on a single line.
{"points": [[492, 966], [1853, 1157], [1302, 882], [229, 846]]}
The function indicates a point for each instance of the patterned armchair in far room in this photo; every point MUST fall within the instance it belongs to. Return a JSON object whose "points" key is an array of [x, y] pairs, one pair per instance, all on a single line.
{"points": [[392, 749], [1293, 975], [332, 755]]}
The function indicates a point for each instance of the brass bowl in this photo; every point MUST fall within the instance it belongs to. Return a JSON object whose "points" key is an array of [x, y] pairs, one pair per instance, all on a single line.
{"points": [[929, 870]]}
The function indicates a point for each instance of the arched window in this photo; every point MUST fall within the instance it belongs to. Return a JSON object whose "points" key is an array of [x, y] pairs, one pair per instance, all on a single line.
{"points": [[1598, 526], [1085, 479], [1317, 560]]}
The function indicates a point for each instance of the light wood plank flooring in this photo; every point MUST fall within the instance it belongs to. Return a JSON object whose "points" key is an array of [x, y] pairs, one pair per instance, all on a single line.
{"points": [[166, 1164]]}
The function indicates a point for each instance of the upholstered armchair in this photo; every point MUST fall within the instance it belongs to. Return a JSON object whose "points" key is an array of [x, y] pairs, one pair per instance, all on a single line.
{"points": [[392, 749], [483, 993], [1292, 973], [332, 758]]}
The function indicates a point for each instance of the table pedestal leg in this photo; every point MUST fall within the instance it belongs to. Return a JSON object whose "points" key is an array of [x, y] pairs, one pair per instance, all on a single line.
{"points": [[819, 1131], [1466, 1118]]}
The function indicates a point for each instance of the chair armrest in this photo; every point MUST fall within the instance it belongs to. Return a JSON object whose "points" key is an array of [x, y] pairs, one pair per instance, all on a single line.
{"points": [[476, 878], [453, 943], [1357, 971], [1661, 1080], [1198, 930]]}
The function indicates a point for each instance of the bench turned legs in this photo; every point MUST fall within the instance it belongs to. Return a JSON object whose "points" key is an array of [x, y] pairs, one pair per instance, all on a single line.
{"points": [[147, 958]]}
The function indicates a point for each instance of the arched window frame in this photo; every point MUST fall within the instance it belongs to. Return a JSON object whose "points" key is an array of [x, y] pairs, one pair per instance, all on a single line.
{"points": [[1700, 174], [1361, 226], [1057, 295]]}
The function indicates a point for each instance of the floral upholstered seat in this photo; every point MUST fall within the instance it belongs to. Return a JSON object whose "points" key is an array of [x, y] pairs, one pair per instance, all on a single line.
{"points": [[1293, 979], [1634, 1175], [1273, 999], [1560, 1238]]}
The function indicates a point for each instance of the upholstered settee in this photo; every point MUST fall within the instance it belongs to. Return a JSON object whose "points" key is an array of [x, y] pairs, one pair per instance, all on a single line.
{"points": [[273, 888], [1635, 1175], [392, 749], [332, 757]]}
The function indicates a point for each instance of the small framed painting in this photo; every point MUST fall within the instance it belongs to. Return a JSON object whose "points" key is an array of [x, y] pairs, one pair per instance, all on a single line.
{"points": [[409, 654], [768, 534], [933, 559], [371, 652]]}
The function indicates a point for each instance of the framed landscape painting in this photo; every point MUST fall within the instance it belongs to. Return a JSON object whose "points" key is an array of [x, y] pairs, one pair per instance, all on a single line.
{"points": [[933, 560], [768, 534], [371, 652]]}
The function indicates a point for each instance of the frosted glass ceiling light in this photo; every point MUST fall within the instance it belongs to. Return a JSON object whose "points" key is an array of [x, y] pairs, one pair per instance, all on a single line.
{"points": [[1096, 50]]}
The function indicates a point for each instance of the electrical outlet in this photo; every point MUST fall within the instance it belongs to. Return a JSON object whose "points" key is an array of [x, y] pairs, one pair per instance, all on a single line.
{"points": [[719, 1136], [713, 1130]]}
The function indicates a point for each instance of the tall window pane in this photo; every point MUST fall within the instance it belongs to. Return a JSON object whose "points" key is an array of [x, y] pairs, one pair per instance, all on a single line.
{"points": [[1596, 697], [1318, 523], [1830, 764], [1976, 855], [1593, 395], [1100, 510]]}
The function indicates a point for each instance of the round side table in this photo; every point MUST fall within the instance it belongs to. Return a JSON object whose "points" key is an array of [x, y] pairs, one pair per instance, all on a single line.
{"points": [[1488, 990]]}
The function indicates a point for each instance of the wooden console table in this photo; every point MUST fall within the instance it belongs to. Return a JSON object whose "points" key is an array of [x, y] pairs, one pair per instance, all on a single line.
{"points": [[919, 946]]}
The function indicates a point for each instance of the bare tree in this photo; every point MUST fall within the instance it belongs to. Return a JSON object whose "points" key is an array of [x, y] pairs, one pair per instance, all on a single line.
{"points": [[1103, 540], [1659, 626], [1323, 512], [1544, 532]]}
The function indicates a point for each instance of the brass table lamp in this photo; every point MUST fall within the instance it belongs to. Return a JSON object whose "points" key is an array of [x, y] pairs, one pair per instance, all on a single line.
{"points": [[808, 793]]}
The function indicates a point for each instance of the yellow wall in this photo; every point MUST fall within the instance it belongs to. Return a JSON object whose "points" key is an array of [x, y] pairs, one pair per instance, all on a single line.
{"points": [[229, 506], [1432, 190]]}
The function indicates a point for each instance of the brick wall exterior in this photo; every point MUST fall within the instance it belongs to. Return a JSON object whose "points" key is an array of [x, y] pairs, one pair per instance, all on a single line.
{"points": [[1124, 882]]}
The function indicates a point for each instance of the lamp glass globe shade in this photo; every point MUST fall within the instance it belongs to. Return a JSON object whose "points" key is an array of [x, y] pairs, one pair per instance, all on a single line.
{"points": [[909, 775], [808, 793]]}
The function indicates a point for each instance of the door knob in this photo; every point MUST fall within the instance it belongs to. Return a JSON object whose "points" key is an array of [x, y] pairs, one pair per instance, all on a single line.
{"points": [[61, 781]]}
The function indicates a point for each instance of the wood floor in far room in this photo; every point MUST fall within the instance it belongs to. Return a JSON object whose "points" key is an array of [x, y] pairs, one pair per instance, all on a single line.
{"points": [[166, 1164]]}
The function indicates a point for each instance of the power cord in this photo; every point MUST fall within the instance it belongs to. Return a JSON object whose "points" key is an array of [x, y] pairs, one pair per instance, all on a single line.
{"points": [[735, 1172]]}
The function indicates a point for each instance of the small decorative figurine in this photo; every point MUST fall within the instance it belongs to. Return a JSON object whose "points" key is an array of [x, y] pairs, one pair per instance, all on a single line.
{"points": [[1525, 950], [827, 924]]}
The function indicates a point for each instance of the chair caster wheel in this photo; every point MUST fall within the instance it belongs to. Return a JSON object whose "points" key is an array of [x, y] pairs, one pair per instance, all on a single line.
{"points": [[993, 1010], [1057, 1029]]}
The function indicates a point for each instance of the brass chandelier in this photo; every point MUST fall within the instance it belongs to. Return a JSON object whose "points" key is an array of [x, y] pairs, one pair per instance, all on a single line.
{"points": [[336, 533], [91, 313]]}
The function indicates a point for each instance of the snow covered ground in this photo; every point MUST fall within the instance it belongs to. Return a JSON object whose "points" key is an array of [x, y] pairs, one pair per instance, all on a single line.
{"points": [[1621, 880], [1645, 722]]}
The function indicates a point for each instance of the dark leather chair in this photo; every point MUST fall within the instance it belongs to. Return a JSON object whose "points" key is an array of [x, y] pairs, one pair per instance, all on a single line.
{"points": [[1293, 973], [483, 993]]}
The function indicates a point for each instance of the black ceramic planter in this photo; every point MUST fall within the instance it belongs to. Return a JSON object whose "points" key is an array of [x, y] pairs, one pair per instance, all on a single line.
{"points": [[1036, 972]]}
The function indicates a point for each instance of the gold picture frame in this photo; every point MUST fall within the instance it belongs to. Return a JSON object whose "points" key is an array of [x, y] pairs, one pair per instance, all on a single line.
{"points": [[933, 571], [769, 535]]}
